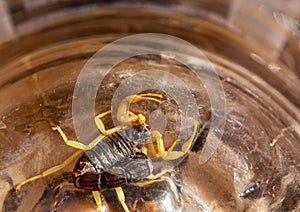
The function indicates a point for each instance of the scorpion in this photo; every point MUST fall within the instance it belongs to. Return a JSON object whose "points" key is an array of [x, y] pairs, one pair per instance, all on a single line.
{"points": [[119, 155]]}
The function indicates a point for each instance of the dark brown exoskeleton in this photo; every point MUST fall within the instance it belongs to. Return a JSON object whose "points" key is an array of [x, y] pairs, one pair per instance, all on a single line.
{"points": [[115, 161]]}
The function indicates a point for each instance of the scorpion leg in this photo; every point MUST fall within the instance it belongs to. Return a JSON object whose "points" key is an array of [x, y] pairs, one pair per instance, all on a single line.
{"points": [[125, 117], [97, 198], [154, 177], [71, 143], [170, 154], [54, 169], [121, 198], [101, 126], [159, 142], [49, 171], [77, 144]]}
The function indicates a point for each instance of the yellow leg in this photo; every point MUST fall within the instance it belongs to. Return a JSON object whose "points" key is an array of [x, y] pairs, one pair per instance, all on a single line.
{"points": [[187, 145], [49, 171], [170, 154], [121, 198], [97, 198], [159, 142], [77, 144], [54, 169], [71, 143], [101, 126], [123, 114], [154, 177]]}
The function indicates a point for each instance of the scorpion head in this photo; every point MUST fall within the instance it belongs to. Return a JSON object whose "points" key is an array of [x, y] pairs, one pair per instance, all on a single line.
{"points": [[139, 134]]}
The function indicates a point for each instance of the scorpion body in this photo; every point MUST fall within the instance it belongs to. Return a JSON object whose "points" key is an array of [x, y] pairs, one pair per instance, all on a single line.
{"points": [[115, 161]]}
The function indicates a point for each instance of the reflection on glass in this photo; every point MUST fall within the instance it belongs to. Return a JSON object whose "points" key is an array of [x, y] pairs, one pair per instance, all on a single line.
{"points": [[44, 47]]}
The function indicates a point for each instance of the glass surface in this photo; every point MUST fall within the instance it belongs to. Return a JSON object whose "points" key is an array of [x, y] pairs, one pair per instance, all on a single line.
{"points": [[45, 45]]}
